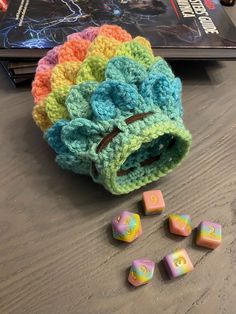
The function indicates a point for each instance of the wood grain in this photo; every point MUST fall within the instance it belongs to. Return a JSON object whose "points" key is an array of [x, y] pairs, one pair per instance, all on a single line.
{"points": [[56, 250]]}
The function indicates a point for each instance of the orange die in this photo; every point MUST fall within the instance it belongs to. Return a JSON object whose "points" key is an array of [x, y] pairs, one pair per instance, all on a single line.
{"points": [[180, 224], [153, 202]]}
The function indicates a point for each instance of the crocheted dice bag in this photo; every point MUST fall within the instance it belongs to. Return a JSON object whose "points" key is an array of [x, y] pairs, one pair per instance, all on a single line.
{"points": [[110, 109]]}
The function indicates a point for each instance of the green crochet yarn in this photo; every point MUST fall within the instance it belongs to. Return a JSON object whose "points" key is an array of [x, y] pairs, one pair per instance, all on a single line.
{"points": [[55, 104], [92, 69], [136, 52], [121, 125]]}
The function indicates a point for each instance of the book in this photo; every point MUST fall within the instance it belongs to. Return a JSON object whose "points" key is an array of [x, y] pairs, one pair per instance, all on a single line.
{"points": [[177, 29], [17, 79]]}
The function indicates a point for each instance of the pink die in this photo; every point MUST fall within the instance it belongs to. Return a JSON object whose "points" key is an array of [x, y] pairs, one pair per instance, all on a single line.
{"points": [[178, 263], [153, 202], [209, 234], [141, 272]]}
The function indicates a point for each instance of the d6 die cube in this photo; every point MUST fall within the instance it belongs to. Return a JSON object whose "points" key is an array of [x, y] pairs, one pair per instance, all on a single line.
{"points": [[209, 234], [178, 263], [126, 227], [141, 272], [153, 202], [180, 224]]}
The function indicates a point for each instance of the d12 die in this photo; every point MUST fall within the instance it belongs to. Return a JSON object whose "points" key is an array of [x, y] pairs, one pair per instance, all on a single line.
{"points": [[178, 263], [126, 227], [180, 224], [209, 234], [153, 202], [141, 272]]}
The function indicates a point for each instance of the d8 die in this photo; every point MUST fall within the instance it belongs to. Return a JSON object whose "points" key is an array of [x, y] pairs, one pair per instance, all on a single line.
{"points": [[141, 272], [209, 234], [126, 227], [180, 224], [178, 263], [153, 202]]}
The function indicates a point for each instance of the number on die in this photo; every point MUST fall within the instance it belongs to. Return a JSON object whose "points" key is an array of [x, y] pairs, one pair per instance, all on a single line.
{"points": [[178, 263], [209, 234], [153, 202]]}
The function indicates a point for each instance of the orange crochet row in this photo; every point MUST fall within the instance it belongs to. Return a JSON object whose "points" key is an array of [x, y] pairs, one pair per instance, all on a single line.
{"points": [[75, 49]]}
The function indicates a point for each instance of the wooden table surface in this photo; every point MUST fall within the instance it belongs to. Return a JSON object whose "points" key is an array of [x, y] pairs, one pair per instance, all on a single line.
{"points": [[56, 250]]}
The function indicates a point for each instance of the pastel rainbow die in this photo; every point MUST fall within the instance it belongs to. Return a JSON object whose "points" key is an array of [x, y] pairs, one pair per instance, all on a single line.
{"points": [[126, 227], [180, 224], [178, 263], [141, 272], [209, 234]]}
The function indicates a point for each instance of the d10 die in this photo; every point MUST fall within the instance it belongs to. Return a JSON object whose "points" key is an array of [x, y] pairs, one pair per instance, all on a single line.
{"points": [[141, 272], [153, 202], [178, 263], [126, 227], [209, 234], [180, 224]]}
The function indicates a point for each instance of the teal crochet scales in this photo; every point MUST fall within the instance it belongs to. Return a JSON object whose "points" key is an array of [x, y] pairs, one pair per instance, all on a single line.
{"points": [[115, 113]]}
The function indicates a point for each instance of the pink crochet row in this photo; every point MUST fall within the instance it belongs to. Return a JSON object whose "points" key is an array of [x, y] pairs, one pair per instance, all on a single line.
{"points": [[88, 34]]}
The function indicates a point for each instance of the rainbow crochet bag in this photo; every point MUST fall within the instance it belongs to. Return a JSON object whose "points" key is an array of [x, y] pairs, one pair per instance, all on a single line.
{"points": [[110, 109]]}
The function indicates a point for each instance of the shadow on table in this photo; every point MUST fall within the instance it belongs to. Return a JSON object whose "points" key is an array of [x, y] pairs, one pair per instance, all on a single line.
{"points": [[191, 71]]}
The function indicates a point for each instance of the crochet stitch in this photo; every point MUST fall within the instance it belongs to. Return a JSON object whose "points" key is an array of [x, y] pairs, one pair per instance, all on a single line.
{"points": [[110, 109]]}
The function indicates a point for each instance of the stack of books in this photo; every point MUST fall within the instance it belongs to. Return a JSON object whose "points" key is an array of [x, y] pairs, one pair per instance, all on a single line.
{"points": [[177, 29], [20, 72]]}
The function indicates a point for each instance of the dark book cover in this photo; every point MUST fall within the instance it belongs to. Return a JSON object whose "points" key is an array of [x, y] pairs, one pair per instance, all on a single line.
{"points": [[177, 29]]}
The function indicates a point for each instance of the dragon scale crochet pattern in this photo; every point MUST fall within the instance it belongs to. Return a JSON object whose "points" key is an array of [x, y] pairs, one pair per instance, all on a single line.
{"points": [[110, 109]]}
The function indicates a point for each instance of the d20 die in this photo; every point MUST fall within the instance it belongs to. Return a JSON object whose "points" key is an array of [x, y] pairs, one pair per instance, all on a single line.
{"points": [[209, 234], [180, 224], [153, 202], [178, 263], [141, 272], [126, 227]]}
